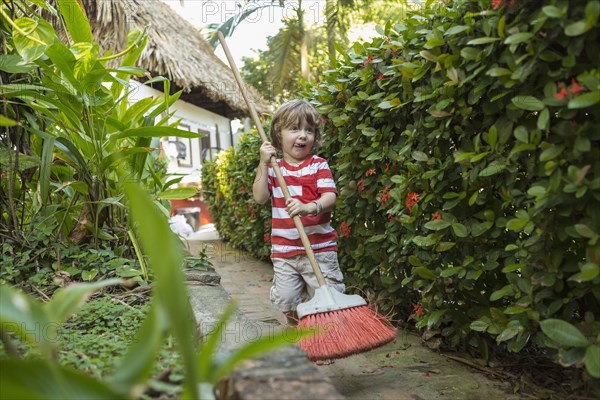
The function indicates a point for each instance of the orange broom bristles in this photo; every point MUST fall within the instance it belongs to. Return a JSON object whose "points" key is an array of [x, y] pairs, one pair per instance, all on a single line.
{"points": [[345, 332]]}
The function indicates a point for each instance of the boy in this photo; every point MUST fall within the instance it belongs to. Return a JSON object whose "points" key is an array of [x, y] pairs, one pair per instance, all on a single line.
{"points": [[297, 130]]}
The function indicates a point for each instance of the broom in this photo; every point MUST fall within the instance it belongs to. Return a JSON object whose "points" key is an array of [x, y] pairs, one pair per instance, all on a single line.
{"points": [[346, 324]]}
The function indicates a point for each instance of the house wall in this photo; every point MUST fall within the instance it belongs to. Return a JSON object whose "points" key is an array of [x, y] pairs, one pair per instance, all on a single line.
{"points": [[194, 119]]}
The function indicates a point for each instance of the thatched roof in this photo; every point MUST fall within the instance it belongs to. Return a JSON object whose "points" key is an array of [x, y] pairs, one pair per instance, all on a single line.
{"points": [[175, 50]]}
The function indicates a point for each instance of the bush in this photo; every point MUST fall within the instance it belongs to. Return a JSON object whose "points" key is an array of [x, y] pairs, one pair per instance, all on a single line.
{"points": [[466, 146], [227, 184]]}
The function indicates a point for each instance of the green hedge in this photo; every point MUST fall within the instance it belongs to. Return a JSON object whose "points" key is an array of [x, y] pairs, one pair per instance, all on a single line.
{"points": [[227, 184], [465, 142], [466, 146]]}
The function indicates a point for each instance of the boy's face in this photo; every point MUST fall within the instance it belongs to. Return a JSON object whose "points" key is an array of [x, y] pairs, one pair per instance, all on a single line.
{"points": [[297, 141]]}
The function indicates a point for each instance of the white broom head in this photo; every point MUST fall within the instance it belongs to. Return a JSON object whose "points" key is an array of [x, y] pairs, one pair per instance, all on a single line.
{"points": [[327, 298]]}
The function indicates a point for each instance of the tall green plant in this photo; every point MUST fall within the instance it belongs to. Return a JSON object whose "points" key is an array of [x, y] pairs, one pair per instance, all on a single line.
{"points": [[170, 314], [68, 126]]}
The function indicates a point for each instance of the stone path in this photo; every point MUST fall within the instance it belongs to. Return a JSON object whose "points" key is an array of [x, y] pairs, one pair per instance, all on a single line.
{"points": [[403, 369]]}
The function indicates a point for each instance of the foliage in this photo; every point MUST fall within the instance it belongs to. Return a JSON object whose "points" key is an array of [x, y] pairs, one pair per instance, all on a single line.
{"points": [[169, 314], [465, 142], [227, 183], [68, 128]]}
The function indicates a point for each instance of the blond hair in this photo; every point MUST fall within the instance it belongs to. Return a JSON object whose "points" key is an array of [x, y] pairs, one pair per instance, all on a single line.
{"points": [[293, 113]]}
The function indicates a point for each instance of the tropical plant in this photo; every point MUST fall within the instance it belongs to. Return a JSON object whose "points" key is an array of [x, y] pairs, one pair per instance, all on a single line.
{"points": [[68, 126], [170, 312]]}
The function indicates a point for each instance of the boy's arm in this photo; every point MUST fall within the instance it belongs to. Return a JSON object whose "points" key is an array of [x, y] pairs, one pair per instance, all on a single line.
{"points": [[327, 201], [260, 188]]}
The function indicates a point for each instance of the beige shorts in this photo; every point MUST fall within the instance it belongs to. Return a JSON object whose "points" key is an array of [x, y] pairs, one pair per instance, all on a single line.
{"points": [[294, 281]]}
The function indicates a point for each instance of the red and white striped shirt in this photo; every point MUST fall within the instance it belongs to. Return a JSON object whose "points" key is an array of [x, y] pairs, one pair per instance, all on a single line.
{"points": [[306, 182]]}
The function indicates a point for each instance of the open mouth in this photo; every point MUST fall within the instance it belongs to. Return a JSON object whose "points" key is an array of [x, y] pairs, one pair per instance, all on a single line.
{"points": [[300, 145]]}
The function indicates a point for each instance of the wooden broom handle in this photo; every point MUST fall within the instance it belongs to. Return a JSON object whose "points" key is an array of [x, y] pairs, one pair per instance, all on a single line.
{"points": [[286, 193]]}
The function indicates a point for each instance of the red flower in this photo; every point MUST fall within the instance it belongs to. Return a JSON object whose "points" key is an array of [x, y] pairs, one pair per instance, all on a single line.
{"points": [[252, 212], [242, 189], [267, 237], [360, 186], [411, 199], [385, 195], [575, 87], [418, 309], [436, 216], [346, 230], [563, 91], [380, 77], [391, 217], [370, 171], [506, 3]]}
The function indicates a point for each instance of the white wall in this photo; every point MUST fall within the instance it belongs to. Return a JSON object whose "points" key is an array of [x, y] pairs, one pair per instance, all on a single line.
{"points": [[196, 119]]}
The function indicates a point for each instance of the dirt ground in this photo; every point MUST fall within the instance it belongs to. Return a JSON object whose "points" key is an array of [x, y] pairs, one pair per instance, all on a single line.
{"points": [[403, 369]]}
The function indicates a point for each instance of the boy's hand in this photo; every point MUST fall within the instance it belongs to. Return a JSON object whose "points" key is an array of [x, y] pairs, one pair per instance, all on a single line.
{"points": [[266, 151], [296, 207]]}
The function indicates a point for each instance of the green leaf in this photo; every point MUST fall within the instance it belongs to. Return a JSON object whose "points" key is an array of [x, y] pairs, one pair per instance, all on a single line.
{"points": [[31, 38], [576, 28], [592, 360], [589, 271], [536, 191], [584, 100], [25, 317], [437, 225], [553, 11], [585, 231], [495, 72], [444, 246], [516, 224], [137, 364], [424, 273], [5, 121], [14, 64], [518, 37], [76, 20], [455, 29], [164, 254], [177, 194], [258, 347], [592, 12], [563, 333], [459, 229], [492, 169], [67, 301], [424, 241], [551, 152], [506, 291], [544, 117], [509, 332], [483, 40], [479, 326], [38, 379], [419, 156], [154, 131], [528, 103]]}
